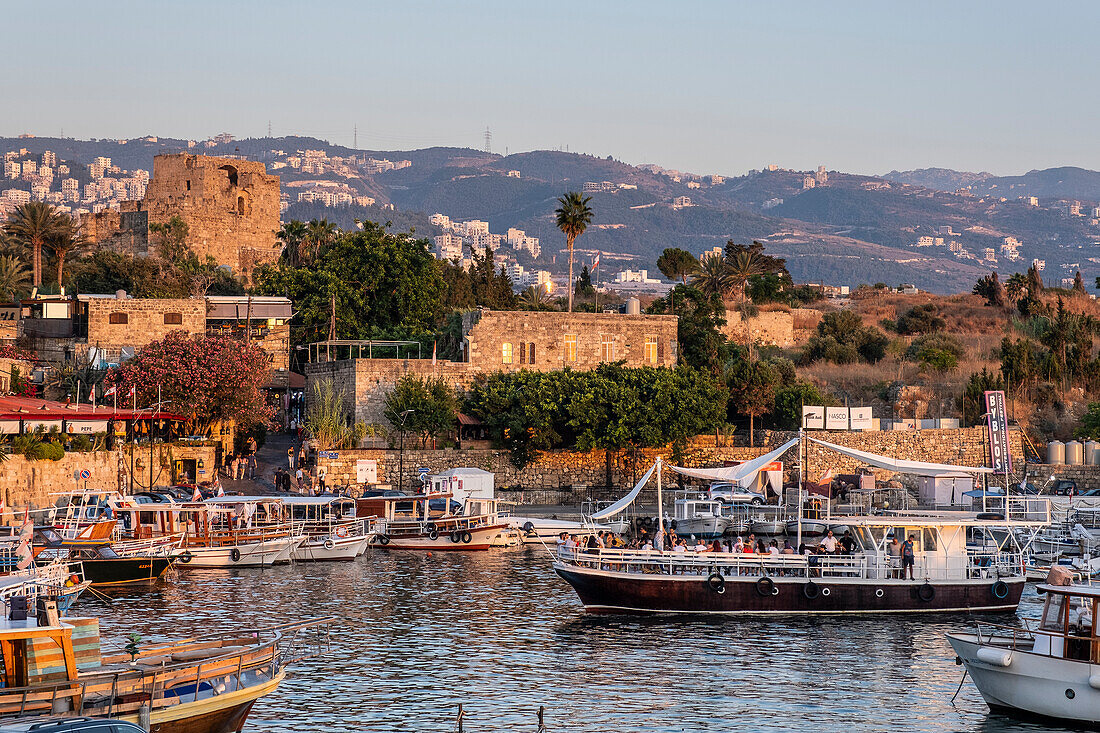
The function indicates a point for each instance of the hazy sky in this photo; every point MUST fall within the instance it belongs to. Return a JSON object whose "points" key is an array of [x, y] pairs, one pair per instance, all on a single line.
{"points": [[708, 87]]}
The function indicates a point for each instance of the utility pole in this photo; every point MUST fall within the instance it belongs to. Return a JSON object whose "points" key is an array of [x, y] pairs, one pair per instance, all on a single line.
{"points": [[332, 317]]}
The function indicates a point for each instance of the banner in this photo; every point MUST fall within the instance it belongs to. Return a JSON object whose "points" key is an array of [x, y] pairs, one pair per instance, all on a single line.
{"points": [[836, 418], [813, 417], [860, 418], [997, 421], [366, 471]]}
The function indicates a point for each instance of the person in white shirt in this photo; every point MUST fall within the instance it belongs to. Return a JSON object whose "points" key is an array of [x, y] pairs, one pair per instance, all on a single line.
{"points": [[773, 549], [829, 542]]}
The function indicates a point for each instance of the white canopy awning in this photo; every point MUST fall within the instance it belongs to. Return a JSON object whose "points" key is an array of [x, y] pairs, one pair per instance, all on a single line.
{"points": [[899, 465], [627, 500], [743, 474]]}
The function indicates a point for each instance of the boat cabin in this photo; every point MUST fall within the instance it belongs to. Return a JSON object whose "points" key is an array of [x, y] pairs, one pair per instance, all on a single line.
{"points": [[319, 509], [695, 508], [1068, 627]]}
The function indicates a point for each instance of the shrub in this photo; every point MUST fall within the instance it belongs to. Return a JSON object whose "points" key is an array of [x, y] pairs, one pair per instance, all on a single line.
{"points": [[921, 319]]}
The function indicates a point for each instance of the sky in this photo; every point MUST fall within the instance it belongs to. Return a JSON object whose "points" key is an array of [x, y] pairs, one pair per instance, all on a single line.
{"points": [[704, 87]]}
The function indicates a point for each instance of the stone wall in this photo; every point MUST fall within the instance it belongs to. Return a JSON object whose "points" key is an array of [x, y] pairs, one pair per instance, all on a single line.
{"points": [[768, 328], [146, 320], [570, 476], [25, 483], [231, 206], [503, 340], [125, 229], [1086, 477]]}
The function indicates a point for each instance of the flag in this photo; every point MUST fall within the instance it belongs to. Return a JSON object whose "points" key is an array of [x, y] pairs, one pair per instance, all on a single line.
{"points": [[110, 391], [434, 343], [596, 262], [197, 496], [221, 491], [23, 551], [132, 392]]}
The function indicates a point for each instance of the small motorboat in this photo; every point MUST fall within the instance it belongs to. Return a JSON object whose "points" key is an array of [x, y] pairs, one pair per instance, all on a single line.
{"points": [[1046, 672], [332, 529], [701, 518], [810, 527], [768, 527]]}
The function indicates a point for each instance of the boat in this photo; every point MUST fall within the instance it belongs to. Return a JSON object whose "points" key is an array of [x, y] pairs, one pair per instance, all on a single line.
{"points": [[533, 530], [1046, 671], [810, 527], [332, 531], [701, 518], [766, 527], [101, 564], [55, 666], [411, 523]]}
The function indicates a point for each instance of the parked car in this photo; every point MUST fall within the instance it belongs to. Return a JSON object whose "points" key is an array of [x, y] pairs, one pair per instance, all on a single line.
{"points": [[727, 492], [69, 725]]}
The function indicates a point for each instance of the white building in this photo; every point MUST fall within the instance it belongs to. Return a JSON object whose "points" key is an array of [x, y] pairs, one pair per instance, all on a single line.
{"points": [[681, 202], [448, 246], [440, 220], [1032, 200], [70, 189], [1039, 265]]}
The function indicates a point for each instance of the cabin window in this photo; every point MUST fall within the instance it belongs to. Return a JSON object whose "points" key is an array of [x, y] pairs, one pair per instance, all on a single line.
{"points": [[173, 319], [929, 540], [506, 353], [570, 347], [650, 356], [1053, 612], [118, 318]]}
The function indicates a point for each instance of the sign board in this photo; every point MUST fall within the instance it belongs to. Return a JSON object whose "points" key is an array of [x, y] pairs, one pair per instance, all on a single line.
{"points": [[330, 454], [860, 418], [9, 427], [366, 471], [836, 418], [86, 427], [813, 417], [85, 474], [773, 466], [30, 425], [997, 421]]}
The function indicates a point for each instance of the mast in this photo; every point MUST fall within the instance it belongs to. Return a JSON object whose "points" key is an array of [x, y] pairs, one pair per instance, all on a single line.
{"points": [[660, 505], [798, 538]]}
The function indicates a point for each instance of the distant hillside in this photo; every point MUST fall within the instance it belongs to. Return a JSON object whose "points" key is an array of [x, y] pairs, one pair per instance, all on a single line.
{"points": [[940, 179], [1052, 183]]}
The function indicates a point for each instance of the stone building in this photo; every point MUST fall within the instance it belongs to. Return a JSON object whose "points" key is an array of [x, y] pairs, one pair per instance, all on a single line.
{"points": [[231, 206], [125, 229], [503, 341], [118, 322]]}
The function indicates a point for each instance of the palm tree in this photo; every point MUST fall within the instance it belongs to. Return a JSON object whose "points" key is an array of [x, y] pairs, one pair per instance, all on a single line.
{"points": [[293, 235], [535, 298], [1016, 286], [14, 277], [68, 239], [33, 224], [573, 217], [319, 232], [713, 277]]}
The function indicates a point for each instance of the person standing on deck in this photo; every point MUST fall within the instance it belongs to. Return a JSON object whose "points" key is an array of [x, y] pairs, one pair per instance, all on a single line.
{"points": [[908, 558]]}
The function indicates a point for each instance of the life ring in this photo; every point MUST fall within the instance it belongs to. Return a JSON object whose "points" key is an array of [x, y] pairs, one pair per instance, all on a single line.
{"points": [[826, 591], [329, 544], [456, 537], [383, 539], [186, 557], [811, 590], [716, 583], [341, 532], [926, 592], [467, 538], [879, 593], [765, 586], [235, 555], [433, 534], [430, 527], [999, 590], [528, 528]]}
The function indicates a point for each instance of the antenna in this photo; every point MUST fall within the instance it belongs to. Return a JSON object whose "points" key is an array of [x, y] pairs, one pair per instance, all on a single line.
{"points": [[488, 140], [355, 138], [269, 128]]}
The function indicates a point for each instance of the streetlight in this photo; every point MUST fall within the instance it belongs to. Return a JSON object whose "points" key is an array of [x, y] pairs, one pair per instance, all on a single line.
{"points": [[401, 453]]}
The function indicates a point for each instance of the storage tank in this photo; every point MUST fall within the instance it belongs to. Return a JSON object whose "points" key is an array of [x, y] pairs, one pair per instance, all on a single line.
{"points": [[633, 307], [1056, 452], [1075, 455], [1090, 452]]}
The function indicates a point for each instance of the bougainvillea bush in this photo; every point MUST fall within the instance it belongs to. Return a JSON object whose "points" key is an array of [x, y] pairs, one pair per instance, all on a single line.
{"points": [[206, 378]]}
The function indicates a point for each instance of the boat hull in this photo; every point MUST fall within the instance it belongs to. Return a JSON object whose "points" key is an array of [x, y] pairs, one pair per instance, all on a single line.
{"points": [[1032, 686], [125, 571], [480, 539], [609, 592], [257, 554], [706, 528], [219, 714], [316, 549], [768, 527]]}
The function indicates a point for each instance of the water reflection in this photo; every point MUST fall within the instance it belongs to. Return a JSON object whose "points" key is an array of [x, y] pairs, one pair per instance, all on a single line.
{"points": [[501, 634]]}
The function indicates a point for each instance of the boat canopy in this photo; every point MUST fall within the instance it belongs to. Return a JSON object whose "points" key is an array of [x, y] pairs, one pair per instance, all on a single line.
{"points": [[627, 500], [899, 465], [743, 474], [314, 500]]}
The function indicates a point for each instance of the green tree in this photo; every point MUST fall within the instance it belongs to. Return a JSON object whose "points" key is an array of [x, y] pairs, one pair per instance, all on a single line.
{"points": [[990, 288], [676, 264], [752, 388], [843, 339], [573, 216], [319, 233], [789, 401], [293, 236], [921, 319], [971, 402], [1078, 283], [68, 239], [702, 345], [1034, 282], [936, 351], [713, 277], [14, 278], [1090, 423], [33, 225], [433, 403], [1015, 286], [170, 238], [535, 298], [328, 418], [583, 288]]}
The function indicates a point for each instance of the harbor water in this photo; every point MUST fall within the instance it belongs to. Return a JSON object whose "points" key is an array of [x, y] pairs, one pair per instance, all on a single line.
{"points": [[499, 633]]}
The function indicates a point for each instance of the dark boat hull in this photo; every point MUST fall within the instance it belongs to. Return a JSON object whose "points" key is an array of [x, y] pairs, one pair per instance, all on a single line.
{"points": [[228, 720], [607, 592], [125, 570]]}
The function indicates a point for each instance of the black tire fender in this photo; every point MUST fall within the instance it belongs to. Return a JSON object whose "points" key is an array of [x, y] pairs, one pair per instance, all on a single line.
{"points": [[467, 538], [383, 539], [999, 590], [926, 592], [716, 582], [811, 590], [456, 537], [186, 557], [235, 555], [765, 586]]}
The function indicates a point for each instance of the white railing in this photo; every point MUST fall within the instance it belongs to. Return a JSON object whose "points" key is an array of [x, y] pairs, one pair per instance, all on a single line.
{"points": [[856, 565]]}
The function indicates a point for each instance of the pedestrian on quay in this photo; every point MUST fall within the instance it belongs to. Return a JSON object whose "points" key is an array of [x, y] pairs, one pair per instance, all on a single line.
{"points": [[321, 481], [290, 457], [299, 477]]}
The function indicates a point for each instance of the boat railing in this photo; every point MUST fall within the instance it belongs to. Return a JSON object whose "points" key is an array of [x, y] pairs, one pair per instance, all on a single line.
{"points": [[855, 565], [224, 537], [161, 545], [442, 525]]}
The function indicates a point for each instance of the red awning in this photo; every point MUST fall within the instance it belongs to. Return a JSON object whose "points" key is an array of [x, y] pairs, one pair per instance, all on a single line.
{"points": [[467, 419], [31, 408]]}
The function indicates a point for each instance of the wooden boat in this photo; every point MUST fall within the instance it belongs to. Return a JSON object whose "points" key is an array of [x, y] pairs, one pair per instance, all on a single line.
{"points": [[410, 523], [810, 527], [1046, 672], [950, 576], [702, 518], [768, 527], [55, 667], [101, 563], [332, 531]]}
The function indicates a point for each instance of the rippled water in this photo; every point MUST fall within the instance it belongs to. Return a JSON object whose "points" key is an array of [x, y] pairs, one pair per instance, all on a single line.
{"points": [[501, 634]]}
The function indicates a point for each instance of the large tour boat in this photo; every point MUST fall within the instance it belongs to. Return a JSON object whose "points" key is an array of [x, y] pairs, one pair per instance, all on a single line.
{"points": [[1046, 670], [433, 522]]}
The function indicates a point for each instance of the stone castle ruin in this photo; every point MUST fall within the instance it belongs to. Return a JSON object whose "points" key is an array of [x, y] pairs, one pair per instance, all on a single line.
{"points": [[231, 207]]}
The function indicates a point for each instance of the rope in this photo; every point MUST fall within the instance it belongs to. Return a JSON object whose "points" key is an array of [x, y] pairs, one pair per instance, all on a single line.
{"points": [[965, 672]]}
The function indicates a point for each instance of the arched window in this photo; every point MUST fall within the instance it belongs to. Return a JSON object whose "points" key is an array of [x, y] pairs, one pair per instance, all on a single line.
{"points": [[506, 353], [240, 206]]}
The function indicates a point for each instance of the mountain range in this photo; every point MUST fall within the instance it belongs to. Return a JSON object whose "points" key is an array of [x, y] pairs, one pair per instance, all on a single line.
{"points": [[832, 227]]}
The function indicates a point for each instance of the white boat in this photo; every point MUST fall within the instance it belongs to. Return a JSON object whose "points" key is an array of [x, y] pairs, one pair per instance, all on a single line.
{"points": [[534, 530], [768, 527], [331, 529], [701, 518], [411, 522], [810, 527], [1048, 672]]}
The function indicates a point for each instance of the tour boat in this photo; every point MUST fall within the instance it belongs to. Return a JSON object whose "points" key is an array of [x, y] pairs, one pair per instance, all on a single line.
{"points": [[100, 562], [701, 518], [54, 666], [1047, 671], [401, 527], [949, 575], [332, 531]]}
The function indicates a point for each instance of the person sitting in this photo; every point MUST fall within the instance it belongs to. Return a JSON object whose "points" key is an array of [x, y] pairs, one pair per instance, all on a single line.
{"points": [[747, 548], [738, 545], [680, 546], [773, 549], [787, 548], [717, 546], [761, 548], [701, 546]]}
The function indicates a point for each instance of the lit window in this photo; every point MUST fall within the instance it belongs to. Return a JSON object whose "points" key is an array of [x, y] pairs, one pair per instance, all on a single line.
{"points": [[607, 347], [571, 347], [118, 318], [506, 353], [650, 350]]}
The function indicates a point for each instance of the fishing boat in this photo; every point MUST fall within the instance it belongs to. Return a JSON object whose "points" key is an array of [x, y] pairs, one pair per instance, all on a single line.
{"points": [[332, 531], [808, 527], [697, 517], [767, 526], [54, 666], [472, 526], [1048, 671], [534, 530]]}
